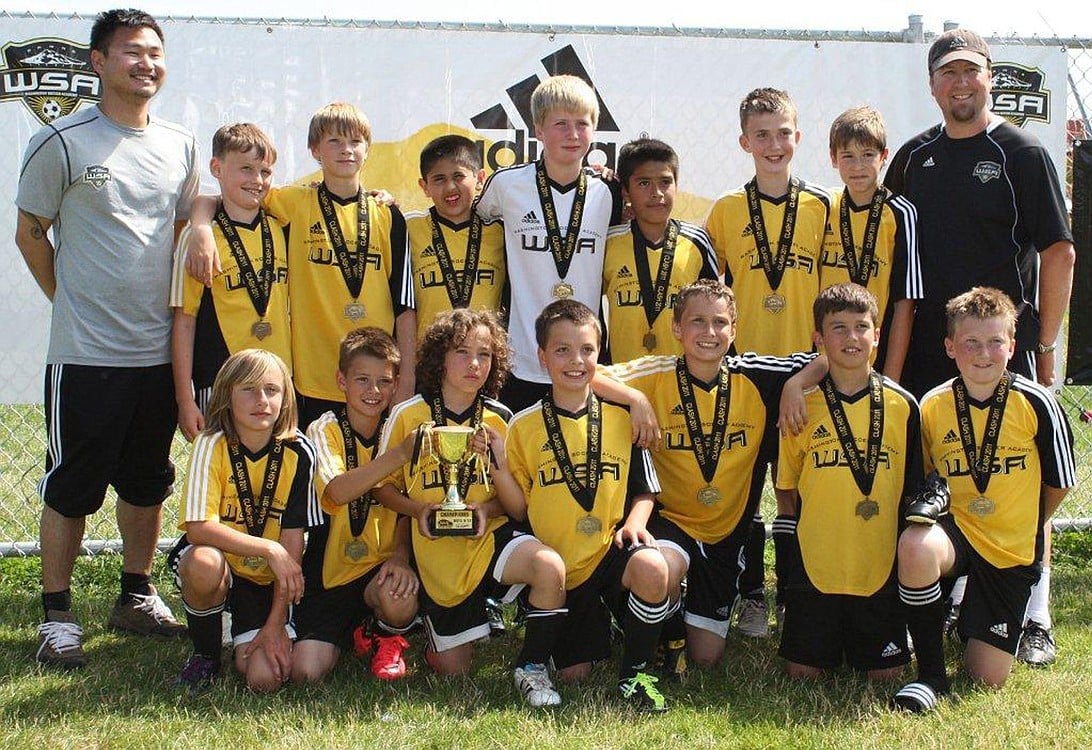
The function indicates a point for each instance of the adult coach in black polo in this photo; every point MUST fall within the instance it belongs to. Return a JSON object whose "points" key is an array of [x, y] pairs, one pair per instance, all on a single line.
{"points": [[990, 213], [114, 184]]}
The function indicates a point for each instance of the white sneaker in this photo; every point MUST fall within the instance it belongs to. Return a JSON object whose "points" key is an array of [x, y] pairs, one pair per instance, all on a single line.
{"points": [[754, 621], [533, 682]]}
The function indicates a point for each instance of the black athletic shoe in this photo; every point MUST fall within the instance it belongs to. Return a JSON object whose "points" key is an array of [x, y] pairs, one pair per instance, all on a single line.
{"points": [[930, 502]]}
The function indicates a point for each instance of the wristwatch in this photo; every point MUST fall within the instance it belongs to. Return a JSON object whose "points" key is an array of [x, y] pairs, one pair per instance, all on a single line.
{"points": [[1042, 348]]}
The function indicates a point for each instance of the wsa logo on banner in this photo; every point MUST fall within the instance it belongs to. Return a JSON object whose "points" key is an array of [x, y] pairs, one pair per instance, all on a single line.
{"points": [[523, 148], [1018, 94], [51, 76]]}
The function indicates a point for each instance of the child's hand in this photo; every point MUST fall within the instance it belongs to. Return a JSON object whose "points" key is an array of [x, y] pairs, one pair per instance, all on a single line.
{"points": [[398, 578], [190, 420], [424, 514], [383, 198], [793, 411], [202, 260], [481, 518], [635, 535], [273, 641], [646, 429], [287, 572], [495, 446]]}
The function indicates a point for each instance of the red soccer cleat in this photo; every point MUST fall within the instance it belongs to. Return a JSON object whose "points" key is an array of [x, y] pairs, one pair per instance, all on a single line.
{"points": [[388, 662]]}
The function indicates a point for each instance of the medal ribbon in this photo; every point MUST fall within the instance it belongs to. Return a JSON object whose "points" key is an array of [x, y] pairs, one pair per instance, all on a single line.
{"points": [[359, 508], [654, 300], [466, 470], [584, 494], [773, 267], [706, 454], [255, 512], [353, 273], [562, 253], [258, 285], [860, 269], [863, 470], [980, 462], [458, 288]]}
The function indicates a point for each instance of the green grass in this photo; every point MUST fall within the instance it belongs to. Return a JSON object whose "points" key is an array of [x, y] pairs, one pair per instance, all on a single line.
{"points": [[124, 697]]}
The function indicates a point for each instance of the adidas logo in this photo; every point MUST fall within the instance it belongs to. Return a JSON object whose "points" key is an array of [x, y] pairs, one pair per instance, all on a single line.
{"points": [[928, 162], [891, 650], [428, 252], [748, 231], [530, 218], [1001, 630], [820, 432], [624, 273], [951, 437], [546, 446], [678, 409], [317, 228]]}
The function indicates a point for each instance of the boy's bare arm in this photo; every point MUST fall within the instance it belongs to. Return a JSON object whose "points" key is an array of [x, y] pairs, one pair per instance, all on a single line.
{"points": [[792, 413], [346, 487], [202, 260], [898, 338], [33, 242], [405, 335], [183, 331], [1052, 498], [646, 428], [634, 531]]}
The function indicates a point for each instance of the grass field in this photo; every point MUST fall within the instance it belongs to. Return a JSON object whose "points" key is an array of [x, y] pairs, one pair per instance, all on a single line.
{"points": [[124, 698]]}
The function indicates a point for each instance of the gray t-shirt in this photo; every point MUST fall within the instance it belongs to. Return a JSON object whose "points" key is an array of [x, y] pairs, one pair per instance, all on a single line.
{"points": [[113, 194]]}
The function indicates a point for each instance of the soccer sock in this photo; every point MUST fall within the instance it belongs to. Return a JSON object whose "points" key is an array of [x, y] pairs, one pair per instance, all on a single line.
{"points": [[135, 583], [1039, 603], [787, 562], [960, 586], [541, 629], [641, 625], [924, 609], [205, 629], [674, 626], [753, 581], [61, 601]]}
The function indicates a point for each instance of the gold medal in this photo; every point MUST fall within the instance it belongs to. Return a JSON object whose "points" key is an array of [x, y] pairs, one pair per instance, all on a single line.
{"points": [[867, 508], [562, 290], [774, 303], [649, 341], [981, 506], [356, 549], [354, 311], [254, 562], [589, 525], [261, 329], [709, 495]]}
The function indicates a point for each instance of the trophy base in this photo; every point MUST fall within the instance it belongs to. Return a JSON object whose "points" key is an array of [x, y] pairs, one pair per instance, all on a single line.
{"points": [[459, 522]]}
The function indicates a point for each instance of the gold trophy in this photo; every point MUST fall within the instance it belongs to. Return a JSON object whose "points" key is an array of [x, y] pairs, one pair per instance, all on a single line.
{"points": [[451, 447]]}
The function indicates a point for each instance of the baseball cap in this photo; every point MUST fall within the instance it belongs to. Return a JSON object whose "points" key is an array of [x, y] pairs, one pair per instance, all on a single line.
{"points": [[958, 44]]}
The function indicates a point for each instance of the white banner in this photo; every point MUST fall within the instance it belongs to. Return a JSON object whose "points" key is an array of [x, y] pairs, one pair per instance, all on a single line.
{"points": [[415, 84]]}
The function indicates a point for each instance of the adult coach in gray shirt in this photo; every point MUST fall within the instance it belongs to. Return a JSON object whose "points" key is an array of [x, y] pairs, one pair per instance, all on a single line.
{"points": [[114, 184], [990, 213]]}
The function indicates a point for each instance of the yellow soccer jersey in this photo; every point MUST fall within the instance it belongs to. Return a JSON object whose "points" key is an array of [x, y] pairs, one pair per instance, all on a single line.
{"points": [[755, 382], [895, 271], [777, 323], [210, 494], [1004, 524], [847, 542], [335, 556], [225, 313], [627, 321], [450, 567], [319, 296], [580, 536], [429, 289]]}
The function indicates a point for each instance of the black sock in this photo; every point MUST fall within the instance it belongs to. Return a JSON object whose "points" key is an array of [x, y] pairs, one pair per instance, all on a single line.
{"points": [[674, 627], [61, 601], [540, 634], [787, 562], [641, 625], [135, 583], [924, 609], [753, 580], [206, 629]]}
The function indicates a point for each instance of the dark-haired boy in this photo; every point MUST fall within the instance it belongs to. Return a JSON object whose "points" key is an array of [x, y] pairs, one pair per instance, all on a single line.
{"points": [[457, 259], [651, 259]]}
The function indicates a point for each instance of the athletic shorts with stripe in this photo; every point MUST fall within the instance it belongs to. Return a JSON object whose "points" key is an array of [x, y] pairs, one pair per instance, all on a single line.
{"points": [[331, 615]]}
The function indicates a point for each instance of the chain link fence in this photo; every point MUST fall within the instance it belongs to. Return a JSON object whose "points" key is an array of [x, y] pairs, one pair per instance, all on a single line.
{"points": [[22, 431]]}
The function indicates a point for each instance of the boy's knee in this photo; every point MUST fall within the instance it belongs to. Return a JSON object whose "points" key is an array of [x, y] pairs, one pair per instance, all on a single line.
{"points": [[547, 570], [648, 575]]}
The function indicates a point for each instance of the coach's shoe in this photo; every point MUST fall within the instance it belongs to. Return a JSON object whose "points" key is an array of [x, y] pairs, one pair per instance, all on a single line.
{"points": [[754, 620], [930, 502], [60, 641], [533, 683], [388, 662], [145, 614], [916, 697], [197, 674], [496, 618], [671, 660], [1036, 647], [640, 692]]}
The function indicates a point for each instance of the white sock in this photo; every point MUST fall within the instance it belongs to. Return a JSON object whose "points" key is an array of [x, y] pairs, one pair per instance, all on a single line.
{"points": [[1039, 602], [956, 597]]}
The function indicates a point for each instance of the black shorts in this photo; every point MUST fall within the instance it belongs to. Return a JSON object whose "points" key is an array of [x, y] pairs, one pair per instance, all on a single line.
{"points": [[995, 599], [585, 635], [825, 630], [449, 627], [331, 615], [107, 426], [713, 571]]}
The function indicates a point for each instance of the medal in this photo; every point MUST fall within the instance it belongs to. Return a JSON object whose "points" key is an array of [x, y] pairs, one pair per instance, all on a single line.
{"points": [[981, 506], [354, 311], [709, 495], [773, 303], [253, 562], [589, 525], [654, 292], [255, 509], [261, 329], [562, 290], [649, 341], [356, 549], [867, 508]]}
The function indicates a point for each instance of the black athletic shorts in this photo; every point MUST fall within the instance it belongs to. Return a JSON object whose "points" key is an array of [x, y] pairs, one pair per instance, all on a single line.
{"points": [[331, 615]]}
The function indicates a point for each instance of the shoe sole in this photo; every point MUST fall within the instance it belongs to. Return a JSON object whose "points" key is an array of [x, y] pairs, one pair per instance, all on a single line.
{"points": [[168, 634], [66, 665]]}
